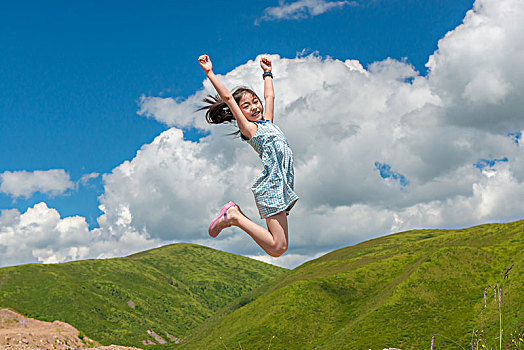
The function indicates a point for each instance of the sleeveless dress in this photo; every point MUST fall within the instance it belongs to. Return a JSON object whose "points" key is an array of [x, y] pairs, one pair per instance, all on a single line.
{"points": [[274, 188]]}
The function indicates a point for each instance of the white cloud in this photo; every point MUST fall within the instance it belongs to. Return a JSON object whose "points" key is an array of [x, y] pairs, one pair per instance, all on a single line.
{"points": [[287, 260], [41, 235], [24, 184], [302, 9], [86, 178], [477, 68], [340, 119]]}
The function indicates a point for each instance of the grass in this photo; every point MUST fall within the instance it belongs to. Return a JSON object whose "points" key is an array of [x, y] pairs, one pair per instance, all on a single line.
{"points": [[172, 289], [496, 340], [240, 345], [392, 291], [495, 309]]}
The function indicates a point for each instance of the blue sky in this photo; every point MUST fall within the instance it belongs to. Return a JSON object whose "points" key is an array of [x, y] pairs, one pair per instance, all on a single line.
{"points": [[71, 73], [401, 114]]}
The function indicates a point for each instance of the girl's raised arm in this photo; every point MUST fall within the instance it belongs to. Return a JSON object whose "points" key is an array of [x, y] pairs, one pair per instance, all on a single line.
{"points": [[247, 128], [269, 92]]}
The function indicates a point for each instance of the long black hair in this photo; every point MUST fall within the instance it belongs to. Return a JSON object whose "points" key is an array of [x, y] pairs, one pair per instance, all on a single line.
{"points": [[217, 110]]}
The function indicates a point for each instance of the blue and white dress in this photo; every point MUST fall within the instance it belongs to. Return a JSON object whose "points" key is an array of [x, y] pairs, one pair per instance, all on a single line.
{"points": [[274, 188]]}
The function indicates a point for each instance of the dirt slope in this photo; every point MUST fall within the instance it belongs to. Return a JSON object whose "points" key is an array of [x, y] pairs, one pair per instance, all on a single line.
{"points": [[19, 332]]}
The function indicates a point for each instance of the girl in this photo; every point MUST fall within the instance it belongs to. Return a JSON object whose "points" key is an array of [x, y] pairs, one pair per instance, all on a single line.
{"points": [[274, 188]]}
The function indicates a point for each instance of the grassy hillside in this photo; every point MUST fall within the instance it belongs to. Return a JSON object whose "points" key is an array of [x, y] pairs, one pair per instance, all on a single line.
{"points": [[393, 291], [115, 301]]}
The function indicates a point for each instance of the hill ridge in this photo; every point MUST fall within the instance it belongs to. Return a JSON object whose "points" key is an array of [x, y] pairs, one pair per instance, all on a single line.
{"points": [[115, 301], [397, 289]]}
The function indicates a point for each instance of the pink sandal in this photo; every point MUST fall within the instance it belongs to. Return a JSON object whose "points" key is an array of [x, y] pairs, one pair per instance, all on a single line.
{"points": [[213, 229]]}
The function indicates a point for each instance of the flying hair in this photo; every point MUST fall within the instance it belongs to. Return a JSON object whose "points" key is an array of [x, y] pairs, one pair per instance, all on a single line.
{"points": [[217, 111]]}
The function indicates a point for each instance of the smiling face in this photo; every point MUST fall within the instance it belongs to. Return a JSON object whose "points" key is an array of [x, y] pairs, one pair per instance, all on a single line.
{"points": [[251, 107]]}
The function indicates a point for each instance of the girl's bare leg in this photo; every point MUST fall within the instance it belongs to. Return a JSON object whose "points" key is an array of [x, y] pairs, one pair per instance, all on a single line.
{"points": [[272, 240]]}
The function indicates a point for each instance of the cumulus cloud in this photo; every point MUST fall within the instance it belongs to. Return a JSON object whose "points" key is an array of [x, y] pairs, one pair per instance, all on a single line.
{"points": [[24, 183], [286, 260], [377, 150], [41, 235], [302, 9], [477, 68], [381, 149]]}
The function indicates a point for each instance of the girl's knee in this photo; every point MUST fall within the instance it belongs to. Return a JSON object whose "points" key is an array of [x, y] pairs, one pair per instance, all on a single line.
{"points": [[278, 250]]}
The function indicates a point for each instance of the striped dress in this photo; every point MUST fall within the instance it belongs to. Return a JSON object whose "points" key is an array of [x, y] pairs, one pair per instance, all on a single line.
{"points": [[274, 188]]}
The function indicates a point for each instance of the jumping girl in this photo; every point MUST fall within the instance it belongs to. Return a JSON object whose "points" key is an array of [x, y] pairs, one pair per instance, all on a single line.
{"points": [[274, 188]]}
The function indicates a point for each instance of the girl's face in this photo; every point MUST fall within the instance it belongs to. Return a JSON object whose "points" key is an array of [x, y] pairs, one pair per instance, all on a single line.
{"points": [[251, 107]]}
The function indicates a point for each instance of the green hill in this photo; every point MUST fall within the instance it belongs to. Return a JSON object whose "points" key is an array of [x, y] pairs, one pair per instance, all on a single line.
{"points": [[393, 291], [115, 301]]}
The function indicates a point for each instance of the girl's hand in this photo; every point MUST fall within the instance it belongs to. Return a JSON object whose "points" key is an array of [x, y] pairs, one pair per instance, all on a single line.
{"points": [[205, 63], [265, 63]]}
